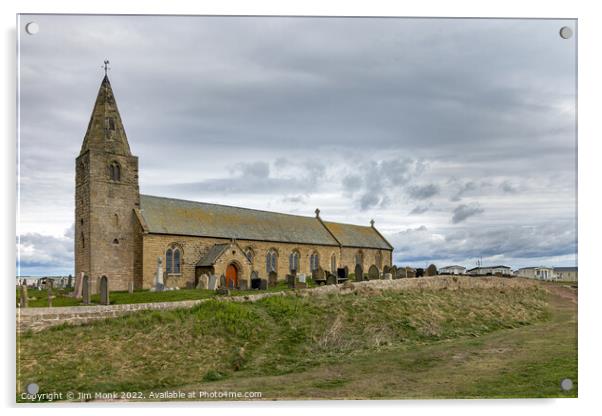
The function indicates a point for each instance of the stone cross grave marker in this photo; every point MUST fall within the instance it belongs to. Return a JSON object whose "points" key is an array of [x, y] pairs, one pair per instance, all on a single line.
{"points": [[159, 284], [86, 290], [359, 273], [104, 290]]}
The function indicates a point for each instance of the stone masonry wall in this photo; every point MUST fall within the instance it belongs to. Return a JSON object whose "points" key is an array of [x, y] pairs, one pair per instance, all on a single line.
{"points": [[193, 248]]}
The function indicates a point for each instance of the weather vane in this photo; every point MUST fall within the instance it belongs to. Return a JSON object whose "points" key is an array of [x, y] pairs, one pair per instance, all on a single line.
{"points": [[106, 66]]}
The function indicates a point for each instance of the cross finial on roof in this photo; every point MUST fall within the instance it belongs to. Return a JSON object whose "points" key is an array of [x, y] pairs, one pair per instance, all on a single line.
{"points": [[372, 222], [317, 212], [106, 66]]}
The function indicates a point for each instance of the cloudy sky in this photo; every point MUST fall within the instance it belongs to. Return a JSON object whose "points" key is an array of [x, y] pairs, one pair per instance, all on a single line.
{"points": [[457, 136]]}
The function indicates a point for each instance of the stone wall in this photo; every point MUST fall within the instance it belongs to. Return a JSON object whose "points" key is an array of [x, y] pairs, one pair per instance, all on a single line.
{"points": [[193, 249]]}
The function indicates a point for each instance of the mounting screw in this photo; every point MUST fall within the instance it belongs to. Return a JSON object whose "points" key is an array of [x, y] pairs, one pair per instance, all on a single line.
{"points": [[566, 32]]}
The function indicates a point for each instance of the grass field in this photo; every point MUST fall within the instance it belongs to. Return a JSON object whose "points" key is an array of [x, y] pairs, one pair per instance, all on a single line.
{"points": [[416, 343], [39, 298]]}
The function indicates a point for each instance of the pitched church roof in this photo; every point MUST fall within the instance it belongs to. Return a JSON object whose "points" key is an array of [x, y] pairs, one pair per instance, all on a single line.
{"points": [[105, 130], [179, 217]]}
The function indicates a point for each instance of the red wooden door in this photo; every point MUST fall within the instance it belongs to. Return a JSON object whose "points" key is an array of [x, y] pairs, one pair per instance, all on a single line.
{"points": [[231, 276]]}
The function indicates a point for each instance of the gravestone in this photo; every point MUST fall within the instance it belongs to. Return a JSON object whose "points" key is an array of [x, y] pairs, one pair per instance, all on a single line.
{"points": [[359, 273], [243, 285], [273, 278], [23, 296], [393, 270], [387, 269], [222, 281], [104, 290], [49, 291], [212, 285], [346, 276], [159, 285], [86, 290], [401, 272], [388, 276], [290, 281], [255, 281], [223, 291], [263, 284], [130, 287], [203, 282], [331, 279], [79, 280], [69, 282], [373, 273], [302, 278]]}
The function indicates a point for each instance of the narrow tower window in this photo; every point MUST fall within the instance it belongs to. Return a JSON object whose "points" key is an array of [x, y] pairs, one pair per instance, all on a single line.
{"points": [[115, 171], [168, 260]]}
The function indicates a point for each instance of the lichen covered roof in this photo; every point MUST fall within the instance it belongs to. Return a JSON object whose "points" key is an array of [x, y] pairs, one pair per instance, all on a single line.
{"points": [[180, 217], [212, 255], [175, 216], [351, 235]]}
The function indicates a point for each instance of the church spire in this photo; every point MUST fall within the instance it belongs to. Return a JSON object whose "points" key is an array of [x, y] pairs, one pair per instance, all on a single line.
{"points": [[105, 130]]}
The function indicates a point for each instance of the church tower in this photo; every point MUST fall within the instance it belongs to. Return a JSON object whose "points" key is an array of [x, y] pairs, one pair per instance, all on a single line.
{"points": [[106, 195]]}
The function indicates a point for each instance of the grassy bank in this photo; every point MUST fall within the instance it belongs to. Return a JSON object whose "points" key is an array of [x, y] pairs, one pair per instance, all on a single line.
{"points": [[467, 342]]}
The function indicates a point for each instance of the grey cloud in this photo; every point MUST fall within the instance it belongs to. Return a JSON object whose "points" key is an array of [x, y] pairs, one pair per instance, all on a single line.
{"points": [[423, 191], [509, 187], [259, 170], [463, 188], [419, 209], [462, 212]]}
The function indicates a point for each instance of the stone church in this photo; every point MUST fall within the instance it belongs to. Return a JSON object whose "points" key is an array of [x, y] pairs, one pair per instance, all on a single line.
{"points": [[120, 233]]}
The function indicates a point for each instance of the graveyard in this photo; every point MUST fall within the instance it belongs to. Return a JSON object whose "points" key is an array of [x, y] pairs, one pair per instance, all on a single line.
{"points": [[434, 337]]}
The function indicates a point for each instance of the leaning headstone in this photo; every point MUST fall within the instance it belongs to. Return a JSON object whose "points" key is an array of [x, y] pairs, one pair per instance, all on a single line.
{"points": [[388, 276], [212, 284], [359, 273], [23, 296], [159, 285], [222, 281], [104, 290], [203, 282], [243, 285], [86, 290], [331, 279], [263, 284], [273, 278], [373, 272]]}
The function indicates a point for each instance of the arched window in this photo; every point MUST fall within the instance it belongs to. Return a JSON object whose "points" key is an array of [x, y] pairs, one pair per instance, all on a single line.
{"points": [[250, 254], [333, 263], [379, 260], [271, 261], [359, 258], [115, 171], [176, 261], [294, 261], [168, 260], [314, 261], [173, 260]]}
